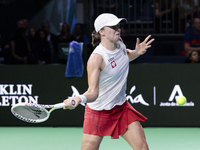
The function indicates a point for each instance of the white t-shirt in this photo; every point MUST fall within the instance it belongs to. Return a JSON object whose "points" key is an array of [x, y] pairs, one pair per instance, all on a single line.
{"points": [[113, 79]]}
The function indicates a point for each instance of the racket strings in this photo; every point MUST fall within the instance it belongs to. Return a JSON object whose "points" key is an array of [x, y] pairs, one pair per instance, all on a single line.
{"points": [[31, 112]]}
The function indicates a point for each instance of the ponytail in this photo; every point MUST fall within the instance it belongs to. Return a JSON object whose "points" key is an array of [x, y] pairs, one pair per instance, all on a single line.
{"points": [[96, 38]]}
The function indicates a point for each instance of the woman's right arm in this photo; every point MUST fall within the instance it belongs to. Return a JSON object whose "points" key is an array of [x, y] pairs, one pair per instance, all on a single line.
{"points": [[94, 66]]}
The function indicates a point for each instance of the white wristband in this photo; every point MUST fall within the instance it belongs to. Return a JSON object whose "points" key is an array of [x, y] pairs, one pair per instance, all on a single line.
{"points": [[83, 99]]}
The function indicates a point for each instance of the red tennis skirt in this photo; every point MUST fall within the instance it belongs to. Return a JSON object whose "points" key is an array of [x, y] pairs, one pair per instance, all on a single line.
{"points": [[112, 122]]}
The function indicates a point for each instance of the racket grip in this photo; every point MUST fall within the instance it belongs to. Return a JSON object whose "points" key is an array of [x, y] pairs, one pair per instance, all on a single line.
{"points": [[59, 105], [73, 102]]}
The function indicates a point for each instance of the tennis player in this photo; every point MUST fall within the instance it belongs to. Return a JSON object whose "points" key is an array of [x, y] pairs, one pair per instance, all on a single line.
{"points": [[107, 112]]}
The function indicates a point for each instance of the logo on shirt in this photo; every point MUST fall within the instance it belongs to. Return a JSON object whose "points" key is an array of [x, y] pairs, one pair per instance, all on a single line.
{"points": [[112, 62]]}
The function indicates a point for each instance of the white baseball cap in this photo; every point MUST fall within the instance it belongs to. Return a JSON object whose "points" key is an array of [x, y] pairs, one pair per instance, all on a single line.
{"points": [[106, 19]]}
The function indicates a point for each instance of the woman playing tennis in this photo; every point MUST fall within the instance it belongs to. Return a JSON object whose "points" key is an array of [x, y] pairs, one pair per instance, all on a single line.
{"points": [[107, 112]]}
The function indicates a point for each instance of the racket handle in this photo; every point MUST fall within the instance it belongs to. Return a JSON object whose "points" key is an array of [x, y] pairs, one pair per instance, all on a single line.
{"points": [[73, 102], [59, 105]]}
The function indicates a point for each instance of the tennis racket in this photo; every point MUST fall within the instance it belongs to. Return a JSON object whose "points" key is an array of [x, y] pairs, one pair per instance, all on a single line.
{"points": [[35, 113]]}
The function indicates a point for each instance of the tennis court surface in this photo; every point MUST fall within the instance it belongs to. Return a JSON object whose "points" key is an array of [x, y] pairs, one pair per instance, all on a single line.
{"points": [[69, 138]]}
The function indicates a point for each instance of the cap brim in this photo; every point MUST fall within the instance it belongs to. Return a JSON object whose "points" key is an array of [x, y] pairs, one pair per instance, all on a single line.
{"points": [[115, 22]]}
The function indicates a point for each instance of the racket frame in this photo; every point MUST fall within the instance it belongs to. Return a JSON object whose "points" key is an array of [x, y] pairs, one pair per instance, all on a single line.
{"points": [[40, 106]]}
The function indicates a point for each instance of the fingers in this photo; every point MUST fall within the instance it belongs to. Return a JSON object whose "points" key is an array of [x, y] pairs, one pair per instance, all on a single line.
{"points": [[69, 104], [73, 102], [138, 41], [143, 46], [150, 41], [148, 46], [147, 38]]}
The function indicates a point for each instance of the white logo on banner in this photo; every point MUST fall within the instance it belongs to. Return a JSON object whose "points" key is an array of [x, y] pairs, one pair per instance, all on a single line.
{"points": [[75, 93], [137, 99], [12, 94], [175, 92]]}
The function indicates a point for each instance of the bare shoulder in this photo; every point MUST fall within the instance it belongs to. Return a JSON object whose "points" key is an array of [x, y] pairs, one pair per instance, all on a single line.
{"points": [[95, 61]]}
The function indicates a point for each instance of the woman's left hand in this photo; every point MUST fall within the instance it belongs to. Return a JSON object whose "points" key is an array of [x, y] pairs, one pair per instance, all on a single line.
{"points": [[141, 48]]}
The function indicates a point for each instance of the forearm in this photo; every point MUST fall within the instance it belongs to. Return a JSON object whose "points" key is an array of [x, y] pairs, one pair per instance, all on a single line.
{"points": [[91, 96], [93, 69]]}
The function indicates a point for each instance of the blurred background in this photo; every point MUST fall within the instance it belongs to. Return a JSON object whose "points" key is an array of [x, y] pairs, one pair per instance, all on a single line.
{"points": [[35, 37], [62, 21]]}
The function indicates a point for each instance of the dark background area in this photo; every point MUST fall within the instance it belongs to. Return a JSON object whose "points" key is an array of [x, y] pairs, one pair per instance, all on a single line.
{"points": [[14, 11], [50, 84]]}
